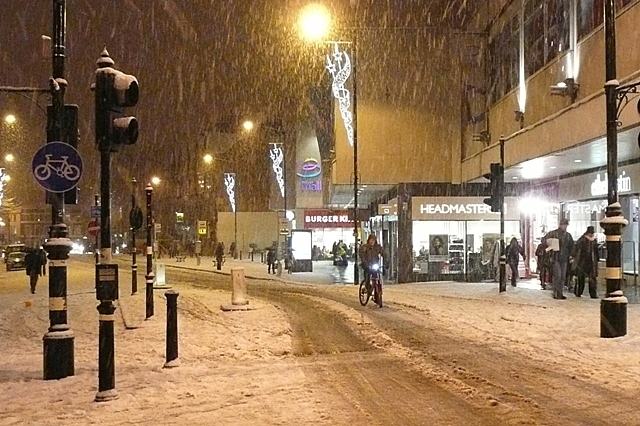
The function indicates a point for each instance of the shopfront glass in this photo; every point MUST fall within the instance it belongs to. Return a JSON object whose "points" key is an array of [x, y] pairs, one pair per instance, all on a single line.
{"points": [[582, 214], [459, 247]]}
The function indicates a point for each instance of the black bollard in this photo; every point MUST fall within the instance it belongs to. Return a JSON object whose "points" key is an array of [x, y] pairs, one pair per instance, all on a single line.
{"points": [[106, 293], [149, 276], [172, 329]]}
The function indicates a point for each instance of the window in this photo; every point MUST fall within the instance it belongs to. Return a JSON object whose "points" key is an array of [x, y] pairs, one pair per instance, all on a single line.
{"points": [[505, 58], [591, 15], [546, 32]]}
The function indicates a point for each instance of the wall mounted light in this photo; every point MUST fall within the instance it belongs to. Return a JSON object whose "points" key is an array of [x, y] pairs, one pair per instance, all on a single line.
{"points": [[520, 117], [567, 88]]}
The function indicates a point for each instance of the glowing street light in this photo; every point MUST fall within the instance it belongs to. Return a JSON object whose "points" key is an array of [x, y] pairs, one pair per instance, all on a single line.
{"points": [[10, 118], [9, 158], [155, 180], [208, 158], [314, 22], [247, 125]]}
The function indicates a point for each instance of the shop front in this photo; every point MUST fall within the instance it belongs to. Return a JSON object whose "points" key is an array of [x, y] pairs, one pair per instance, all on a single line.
{"points": [[329, 227], [585, 203], [457, 238]]}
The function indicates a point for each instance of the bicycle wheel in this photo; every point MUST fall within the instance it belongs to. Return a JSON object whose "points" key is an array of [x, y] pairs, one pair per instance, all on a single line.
{"points": [[364, 294], [42, 172]]}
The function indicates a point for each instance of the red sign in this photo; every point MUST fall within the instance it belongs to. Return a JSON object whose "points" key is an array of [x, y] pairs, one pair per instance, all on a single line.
{"points": [[327, 219], [93, 228]]}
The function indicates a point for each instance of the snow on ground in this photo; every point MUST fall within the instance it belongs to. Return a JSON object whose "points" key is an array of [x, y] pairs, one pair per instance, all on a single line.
{"points": [[531, 322], [235, 367]]}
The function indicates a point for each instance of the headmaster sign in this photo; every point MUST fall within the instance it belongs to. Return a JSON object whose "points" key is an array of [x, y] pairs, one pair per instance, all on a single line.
{"points": [[57, 167]]}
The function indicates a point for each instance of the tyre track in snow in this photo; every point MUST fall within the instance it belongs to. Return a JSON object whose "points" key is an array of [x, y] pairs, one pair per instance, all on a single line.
{"points": [[379, 387], [529, 392]]}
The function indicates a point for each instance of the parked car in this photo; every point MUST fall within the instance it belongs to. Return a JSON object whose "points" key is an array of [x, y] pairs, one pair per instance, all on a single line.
{"points": [[10, 248], [16, 260]]}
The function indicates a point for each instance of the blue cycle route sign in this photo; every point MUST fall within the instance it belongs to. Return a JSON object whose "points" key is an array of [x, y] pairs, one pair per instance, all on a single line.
{"points": [[57, 167]]}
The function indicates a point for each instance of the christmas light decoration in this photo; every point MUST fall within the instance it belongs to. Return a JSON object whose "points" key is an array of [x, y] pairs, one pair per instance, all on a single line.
{"points": [[277, 157], [230, 185], [339, 66]]}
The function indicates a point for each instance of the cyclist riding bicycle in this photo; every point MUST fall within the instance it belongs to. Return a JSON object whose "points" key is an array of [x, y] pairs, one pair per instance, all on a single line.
{"points": [[370, 254]]}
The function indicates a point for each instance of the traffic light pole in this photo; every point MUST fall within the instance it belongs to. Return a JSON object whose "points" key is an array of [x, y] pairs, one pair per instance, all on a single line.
{"points": [[58, 342], [106, 308], [134, 265], [503, 258]]}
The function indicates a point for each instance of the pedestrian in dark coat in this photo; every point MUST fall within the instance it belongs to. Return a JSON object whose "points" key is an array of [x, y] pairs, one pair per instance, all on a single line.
{"points": [[514, 251], [271, 260], [559, 245], [33, 266], [586, 261], [219, 254]]}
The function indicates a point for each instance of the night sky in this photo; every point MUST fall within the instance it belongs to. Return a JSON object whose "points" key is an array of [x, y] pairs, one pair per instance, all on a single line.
{"points": [[201, 65]]}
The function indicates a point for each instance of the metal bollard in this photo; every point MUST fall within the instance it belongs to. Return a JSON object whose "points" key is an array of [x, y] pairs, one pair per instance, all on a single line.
{"points": [[172, 330]]}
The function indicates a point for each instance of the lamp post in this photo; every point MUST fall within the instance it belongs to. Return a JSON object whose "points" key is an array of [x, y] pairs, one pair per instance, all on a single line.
{"points": [[315, 24], [230, 186], [613, 308]]}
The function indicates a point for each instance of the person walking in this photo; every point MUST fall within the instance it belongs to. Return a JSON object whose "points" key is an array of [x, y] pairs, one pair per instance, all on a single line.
{"points": [[219, 254], [559, 244], [271, 259], [514, 251], [586, 261], [33, 266]]}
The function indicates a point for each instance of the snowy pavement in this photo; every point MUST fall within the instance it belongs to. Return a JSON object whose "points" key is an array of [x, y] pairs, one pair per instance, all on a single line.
{"points": [[237, 368]]}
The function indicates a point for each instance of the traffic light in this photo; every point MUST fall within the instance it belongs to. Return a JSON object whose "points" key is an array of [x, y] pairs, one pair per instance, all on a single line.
{"points": [[69, 134], [115, 91], [496, 177]]}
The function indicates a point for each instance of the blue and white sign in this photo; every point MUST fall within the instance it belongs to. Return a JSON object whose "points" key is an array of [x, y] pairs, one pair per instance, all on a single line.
{"points": [[57, 167]]}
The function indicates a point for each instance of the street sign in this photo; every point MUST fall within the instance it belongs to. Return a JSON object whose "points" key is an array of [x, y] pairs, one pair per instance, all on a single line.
{"points": [[95, 212], [202, 227], [94, 228], [57, 167], [158, 228]]}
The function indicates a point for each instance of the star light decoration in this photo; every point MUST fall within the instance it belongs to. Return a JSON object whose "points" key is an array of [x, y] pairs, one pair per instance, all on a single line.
{"points": [[230, 185], [277, 157], [340, 69]]}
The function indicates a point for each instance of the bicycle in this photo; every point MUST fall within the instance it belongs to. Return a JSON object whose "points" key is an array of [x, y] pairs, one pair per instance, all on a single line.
{"points": [[372, 286], [62, 168]]}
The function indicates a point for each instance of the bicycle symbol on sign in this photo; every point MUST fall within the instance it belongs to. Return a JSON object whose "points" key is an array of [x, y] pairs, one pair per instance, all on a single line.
{"points": [[61, 167]]}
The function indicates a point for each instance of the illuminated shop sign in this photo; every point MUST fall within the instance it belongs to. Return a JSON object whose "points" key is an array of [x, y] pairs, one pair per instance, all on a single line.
{"points": [[309, 171], [456, 209], [586, 207], [327, 219], [460, 208], [600, 186]]}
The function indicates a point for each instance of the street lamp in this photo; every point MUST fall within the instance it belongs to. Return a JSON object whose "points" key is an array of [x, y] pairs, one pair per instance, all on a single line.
{"points": [[315, 23], [9, 158], [9, 119], [613, 308], [156, 180]]}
